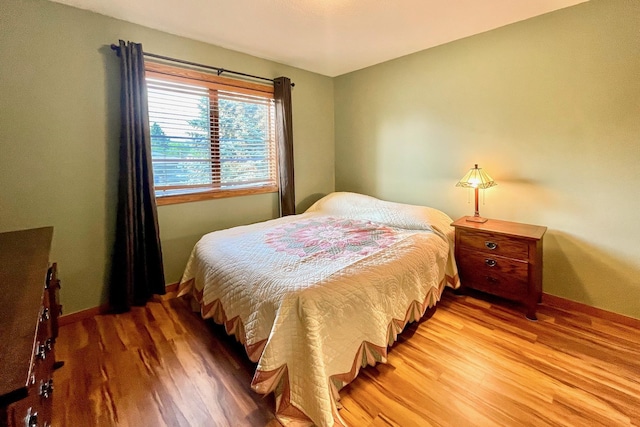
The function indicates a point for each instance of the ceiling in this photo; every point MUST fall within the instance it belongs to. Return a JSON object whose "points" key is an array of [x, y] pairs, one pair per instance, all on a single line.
{"points": [[329, 37]]}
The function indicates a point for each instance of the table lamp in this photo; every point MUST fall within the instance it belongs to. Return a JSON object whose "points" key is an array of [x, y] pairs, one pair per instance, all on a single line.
{"points": [[477, 179]]}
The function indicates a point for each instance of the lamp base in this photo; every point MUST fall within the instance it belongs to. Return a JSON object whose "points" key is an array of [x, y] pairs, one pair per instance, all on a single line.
{"points": [[477, 219]]}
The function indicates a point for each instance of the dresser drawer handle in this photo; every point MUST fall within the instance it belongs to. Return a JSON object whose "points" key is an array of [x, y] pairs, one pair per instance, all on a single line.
{"points": [[491, 245], [491, 262], [41, 351], [45, 315], [31, 420], [46, 388]]}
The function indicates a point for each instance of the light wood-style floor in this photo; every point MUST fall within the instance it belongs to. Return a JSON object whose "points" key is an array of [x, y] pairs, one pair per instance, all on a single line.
{"points": [[473, 363]]}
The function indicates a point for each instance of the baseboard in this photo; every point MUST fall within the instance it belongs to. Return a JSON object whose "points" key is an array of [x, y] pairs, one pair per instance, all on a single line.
{"points": [[172, 288], [568, 304], [171, 292], [551, 300], [82, 314]]}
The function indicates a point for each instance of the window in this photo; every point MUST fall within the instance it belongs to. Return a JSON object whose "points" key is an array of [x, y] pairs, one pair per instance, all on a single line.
{"points": [[210, 136]]}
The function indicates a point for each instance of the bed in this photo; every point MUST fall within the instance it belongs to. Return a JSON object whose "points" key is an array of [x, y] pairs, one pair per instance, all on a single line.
{"points": [[316, 296]]}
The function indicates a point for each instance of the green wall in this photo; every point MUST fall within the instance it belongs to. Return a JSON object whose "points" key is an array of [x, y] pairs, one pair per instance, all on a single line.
{"points": [[59, 136], [550, 107]]}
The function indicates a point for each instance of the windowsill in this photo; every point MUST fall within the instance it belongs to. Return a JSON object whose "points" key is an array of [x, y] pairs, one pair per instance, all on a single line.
{"points": [[213, 194]]}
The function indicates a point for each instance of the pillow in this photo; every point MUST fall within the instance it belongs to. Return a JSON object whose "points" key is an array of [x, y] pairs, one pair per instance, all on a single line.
{"points": [[360, 206]]}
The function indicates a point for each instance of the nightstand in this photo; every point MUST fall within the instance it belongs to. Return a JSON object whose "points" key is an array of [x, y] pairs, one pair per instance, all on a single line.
{"points": [[501, 258]]}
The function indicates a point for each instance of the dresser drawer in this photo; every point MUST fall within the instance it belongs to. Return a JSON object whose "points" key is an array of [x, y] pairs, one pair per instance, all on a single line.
{"points": [[38, 404], [44, 319], [23, 411], [43, 388], [497, 275], [52, 288], [497, 244]]}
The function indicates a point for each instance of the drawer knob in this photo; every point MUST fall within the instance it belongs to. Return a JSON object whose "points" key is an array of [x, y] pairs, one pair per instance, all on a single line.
{"points": [[491, 245], [490, 262]]}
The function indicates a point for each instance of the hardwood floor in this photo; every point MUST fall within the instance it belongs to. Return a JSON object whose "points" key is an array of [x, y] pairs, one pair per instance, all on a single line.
{"points": [[472, 363]]}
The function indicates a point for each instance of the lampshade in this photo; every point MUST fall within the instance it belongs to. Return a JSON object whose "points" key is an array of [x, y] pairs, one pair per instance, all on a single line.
{"points": [[476, 178]]}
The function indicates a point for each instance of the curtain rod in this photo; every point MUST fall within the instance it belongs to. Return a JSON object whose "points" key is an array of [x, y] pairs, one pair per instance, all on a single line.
{"points": [[195, 64]]}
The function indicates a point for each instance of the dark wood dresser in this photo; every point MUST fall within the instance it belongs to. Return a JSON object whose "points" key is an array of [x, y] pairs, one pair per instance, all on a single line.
{"points": [[501, 258], [29, 313]]}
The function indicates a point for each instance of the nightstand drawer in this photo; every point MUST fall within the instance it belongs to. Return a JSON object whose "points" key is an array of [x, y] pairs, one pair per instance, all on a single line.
{"points": [[494, 244], [494, 274]]}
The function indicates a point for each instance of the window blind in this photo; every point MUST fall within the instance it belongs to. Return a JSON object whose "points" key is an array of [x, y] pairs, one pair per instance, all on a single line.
{"points": [[208, 136]]}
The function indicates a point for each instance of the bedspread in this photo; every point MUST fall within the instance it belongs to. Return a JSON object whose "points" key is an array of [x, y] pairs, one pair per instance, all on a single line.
{"points": [[316, 296]]}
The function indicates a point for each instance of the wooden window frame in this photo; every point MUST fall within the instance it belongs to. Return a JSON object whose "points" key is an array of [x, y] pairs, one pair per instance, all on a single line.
{"points": [[213, 83]]}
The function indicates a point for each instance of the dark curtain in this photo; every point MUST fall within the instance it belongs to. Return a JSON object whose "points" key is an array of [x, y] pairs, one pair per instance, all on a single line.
{"points": [[137, 261], [284, 133]]}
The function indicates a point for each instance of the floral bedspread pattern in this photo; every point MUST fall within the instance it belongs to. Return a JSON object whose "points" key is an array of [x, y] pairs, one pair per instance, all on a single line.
{"points": [[331, 238], [313, 297]]}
